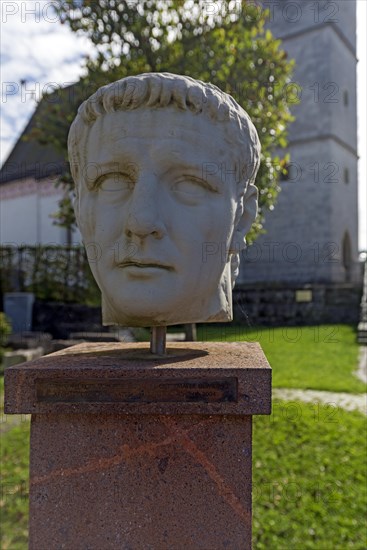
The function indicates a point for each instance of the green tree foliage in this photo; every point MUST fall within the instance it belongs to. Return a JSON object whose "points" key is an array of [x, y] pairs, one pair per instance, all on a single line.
{"points": [[225, 43]]}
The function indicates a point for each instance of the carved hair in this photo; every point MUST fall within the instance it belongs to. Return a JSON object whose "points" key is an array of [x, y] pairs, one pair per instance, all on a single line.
{"points": [[161, 90]]}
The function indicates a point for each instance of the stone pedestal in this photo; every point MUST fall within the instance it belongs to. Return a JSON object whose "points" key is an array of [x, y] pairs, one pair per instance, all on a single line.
{"points": [[133, 451]]}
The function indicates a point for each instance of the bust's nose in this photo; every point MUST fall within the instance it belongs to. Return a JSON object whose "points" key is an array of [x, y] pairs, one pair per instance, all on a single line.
{"points": [[144, 210]]}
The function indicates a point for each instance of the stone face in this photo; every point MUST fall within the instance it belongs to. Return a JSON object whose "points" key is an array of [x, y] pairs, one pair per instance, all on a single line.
{"points": [[150, 222], [132, 450]]}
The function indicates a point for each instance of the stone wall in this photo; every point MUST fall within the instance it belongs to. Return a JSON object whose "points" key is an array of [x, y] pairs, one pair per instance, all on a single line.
{"points": [[279, 305], [264, 305], [61, 320]]}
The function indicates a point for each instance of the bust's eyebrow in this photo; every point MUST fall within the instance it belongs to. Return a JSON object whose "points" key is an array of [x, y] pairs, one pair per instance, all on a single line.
{"points": [[194, 163], [189, 169]]}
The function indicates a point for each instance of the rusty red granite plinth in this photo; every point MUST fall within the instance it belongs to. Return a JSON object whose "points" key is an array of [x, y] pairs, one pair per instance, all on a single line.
{"points": [[134, 451]]}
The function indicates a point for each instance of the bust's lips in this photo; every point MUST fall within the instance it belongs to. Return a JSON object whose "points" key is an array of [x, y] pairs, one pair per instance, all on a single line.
{"points": [[145, 264]]}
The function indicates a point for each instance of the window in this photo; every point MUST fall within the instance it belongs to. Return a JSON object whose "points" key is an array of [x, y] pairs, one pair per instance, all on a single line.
{"points": [[346, 175], [347, 255]]}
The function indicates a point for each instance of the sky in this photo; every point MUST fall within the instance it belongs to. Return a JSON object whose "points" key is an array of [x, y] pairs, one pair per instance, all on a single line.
{"points": [[38, 49]]}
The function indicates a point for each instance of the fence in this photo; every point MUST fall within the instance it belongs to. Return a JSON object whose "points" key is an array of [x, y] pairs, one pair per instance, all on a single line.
{"points": [[53, 273]]}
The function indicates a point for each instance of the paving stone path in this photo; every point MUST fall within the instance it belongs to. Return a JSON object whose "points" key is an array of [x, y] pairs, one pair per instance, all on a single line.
{"points": [[361, 371], [347, 401]]}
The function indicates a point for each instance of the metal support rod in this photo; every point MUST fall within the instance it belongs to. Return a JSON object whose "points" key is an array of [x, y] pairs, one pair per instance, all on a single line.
{"points": [[158, 340]]}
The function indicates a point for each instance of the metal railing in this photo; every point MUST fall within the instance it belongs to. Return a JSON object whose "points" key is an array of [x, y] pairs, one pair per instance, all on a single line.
{"points": [[53, 273]]}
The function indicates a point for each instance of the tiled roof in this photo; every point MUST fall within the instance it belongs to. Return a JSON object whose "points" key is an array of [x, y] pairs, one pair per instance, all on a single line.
{"points": [[29, 158]]}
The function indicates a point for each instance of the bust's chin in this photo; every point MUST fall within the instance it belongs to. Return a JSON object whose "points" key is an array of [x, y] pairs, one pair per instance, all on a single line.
{"points": [[213, 308]]}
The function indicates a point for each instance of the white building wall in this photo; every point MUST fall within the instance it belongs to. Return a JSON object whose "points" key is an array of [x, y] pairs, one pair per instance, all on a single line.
{"points": [[315, 207], [344, 207], [26, 207], [292, 17]]}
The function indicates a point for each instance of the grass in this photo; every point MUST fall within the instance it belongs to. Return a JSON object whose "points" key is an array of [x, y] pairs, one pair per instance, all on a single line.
{"points": [[309, 460], [310, 487], [320, 357], [14, 459]]}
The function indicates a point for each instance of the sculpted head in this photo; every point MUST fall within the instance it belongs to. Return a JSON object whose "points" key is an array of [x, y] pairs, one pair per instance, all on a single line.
{"points": [[164, 169]]}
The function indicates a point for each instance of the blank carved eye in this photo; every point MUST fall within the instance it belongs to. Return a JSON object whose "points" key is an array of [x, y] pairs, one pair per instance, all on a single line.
{"points": [[190, 188], [115, 182]]}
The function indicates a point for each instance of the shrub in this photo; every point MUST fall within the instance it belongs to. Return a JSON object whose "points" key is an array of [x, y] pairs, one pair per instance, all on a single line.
{"points": [[5, 329]]}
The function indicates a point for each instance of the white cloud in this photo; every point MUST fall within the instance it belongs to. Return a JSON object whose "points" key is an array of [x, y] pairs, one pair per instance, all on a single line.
{"points": [[38, 49]]}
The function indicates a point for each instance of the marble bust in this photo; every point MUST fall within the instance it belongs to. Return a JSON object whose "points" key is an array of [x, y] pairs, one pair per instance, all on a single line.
{"points": [[164, 169]]}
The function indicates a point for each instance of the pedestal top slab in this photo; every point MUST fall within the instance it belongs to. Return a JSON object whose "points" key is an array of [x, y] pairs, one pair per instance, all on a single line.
{"points": [[194, 377]]}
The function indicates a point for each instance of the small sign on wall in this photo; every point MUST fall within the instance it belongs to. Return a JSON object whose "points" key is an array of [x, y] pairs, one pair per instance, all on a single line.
{"points": [[303, 295]]}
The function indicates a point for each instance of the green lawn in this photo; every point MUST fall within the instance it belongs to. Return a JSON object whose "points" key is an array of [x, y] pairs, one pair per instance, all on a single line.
{"points": [[14, 459], [310, 483], [320, 357], [310, 486]]}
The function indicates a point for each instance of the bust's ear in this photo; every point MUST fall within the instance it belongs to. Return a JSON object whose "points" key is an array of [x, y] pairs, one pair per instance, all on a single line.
{"points": [[245, 219]]}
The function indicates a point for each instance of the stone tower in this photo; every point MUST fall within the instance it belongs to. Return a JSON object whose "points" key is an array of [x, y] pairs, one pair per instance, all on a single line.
{"points": [[312, 234]]}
